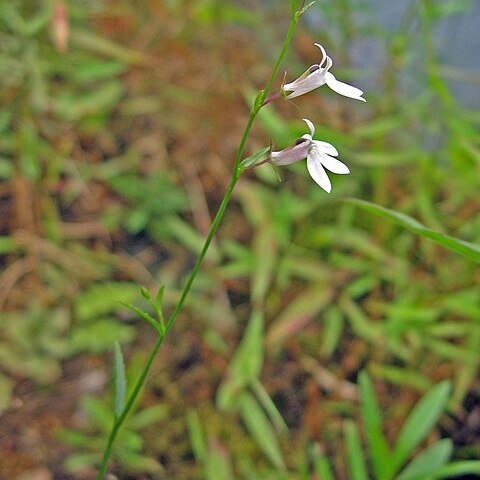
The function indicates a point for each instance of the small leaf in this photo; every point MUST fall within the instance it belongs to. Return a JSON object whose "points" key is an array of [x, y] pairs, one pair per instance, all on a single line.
{"points": [[256, 157], [257, 103], [159, 306], [420, 422], [148, 416], [428, 462], [467, 249], [120, 380], [160, 294], [145, 316], [145, 293]]}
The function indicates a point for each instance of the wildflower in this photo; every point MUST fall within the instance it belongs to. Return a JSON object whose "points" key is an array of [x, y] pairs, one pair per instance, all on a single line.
{"points": [[316, 76], [318, 155]]}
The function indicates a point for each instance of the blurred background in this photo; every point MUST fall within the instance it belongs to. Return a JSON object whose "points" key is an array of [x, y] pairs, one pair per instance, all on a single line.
{"points": [[119, 122]]}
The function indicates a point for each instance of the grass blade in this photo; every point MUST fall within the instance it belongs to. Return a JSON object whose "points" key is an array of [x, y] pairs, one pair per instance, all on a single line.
{"points": [[246, 364], [217, 463], [467, 249], [420, 422], [376, 441], [321, 465], [428, 462], [355, 459], [459, 468], [261, 429]]}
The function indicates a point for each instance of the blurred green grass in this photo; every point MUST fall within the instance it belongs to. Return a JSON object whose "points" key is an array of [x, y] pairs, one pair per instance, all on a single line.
{"points": [[113, 156]]}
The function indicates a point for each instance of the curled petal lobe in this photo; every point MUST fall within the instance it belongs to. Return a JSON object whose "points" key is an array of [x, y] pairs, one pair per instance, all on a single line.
{"points": [[324, 54], [318, 173], [343, 88], [310, 125]]}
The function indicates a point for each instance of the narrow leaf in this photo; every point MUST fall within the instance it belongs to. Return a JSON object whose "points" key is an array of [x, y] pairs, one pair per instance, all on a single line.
{"points": [[459, 468], [322, 466], [420, 422], [355, 458], [145, 316], [246, 364], [261, 429], [120, 380], [256, 157], [467, 249], [269, 406], [248, 359], [428, 462], [218, 465], [376, 441], [196, 434]]}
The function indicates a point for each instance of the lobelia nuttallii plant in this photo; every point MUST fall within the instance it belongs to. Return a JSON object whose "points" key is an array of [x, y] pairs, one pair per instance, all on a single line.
{"points": [[319, 157]]}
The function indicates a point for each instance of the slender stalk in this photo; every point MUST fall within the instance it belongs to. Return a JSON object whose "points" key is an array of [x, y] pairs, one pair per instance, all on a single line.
{"points": [[191, 278], [208, 240], [272, 98]]}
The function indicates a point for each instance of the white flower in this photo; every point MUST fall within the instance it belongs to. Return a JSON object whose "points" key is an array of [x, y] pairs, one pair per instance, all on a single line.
{"points": [[316, 76], [318, 155]]}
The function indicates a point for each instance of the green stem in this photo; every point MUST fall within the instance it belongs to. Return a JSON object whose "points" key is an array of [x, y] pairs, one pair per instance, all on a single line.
{"points": [[211, 233], [213, 229]]}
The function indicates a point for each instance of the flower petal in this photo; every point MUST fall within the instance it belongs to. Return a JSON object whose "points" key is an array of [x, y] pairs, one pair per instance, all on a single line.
{"points": [[334, 165], [318, 173], [324, 54], [343, 88], [291, 154], [311, 126], [326, 147]]}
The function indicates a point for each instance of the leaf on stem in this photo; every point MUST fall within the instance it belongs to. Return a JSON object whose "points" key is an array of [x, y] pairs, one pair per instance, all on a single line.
{"points": [[158, 326], [255, 158]]}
